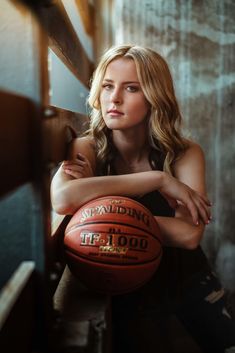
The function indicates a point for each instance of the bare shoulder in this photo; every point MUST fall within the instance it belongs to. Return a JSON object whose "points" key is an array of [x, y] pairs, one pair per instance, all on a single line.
{"points": [[194, 153], [84, 145], [190, 167]]}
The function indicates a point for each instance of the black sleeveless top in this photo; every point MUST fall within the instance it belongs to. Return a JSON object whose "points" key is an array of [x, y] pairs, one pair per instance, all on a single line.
{"points": [[178, 265]]}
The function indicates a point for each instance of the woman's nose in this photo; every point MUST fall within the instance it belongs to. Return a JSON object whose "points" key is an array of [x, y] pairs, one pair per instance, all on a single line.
{"points": [[116, 96]]}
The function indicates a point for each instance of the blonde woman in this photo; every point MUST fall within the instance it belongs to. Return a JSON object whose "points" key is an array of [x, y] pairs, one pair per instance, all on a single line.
{"points": [[134, 147]]}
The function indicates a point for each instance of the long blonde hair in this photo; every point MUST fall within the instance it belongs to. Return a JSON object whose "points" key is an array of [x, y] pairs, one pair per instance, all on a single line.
{"points": [[157, 84]]}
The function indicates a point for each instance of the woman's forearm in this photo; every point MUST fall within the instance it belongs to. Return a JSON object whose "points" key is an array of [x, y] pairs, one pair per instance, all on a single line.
{"points": [[180, 233], [68, 195]]}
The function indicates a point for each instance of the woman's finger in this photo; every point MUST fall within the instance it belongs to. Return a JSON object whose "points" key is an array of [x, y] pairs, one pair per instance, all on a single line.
{"points": [[85, 161], [75, 168], [190, 204], [81, 156], [205, 214], [82, 170], [203, 206], [73, 173]]}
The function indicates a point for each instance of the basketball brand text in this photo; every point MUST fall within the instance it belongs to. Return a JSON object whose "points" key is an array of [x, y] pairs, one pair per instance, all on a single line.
{"points": [[115, 208], [113, 243]]}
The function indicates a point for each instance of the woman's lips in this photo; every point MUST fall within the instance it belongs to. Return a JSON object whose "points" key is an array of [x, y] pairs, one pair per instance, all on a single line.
{"points": [[114, 112]]}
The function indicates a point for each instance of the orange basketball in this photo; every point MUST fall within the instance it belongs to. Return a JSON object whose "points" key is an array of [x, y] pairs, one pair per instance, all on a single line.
{"points": [[113, 244]]}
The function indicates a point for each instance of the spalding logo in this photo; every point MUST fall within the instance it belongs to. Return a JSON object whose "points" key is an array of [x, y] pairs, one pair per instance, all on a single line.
{"points": [[118, 209]]}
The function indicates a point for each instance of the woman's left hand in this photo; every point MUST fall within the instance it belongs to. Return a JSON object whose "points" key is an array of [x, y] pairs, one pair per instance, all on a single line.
{"points": [[197, 203]]}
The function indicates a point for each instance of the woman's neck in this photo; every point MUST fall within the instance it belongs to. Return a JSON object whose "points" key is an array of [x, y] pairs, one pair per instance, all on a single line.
{"points": [[133, 150]]}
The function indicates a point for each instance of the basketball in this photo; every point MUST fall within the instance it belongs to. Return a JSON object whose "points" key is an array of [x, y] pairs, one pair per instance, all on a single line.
{"points": [[113, 244]]}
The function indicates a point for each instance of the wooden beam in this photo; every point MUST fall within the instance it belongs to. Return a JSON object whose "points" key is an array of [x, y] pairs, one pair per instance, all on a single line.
{"points": [[56, 23], [86, 11], [16, 135]]}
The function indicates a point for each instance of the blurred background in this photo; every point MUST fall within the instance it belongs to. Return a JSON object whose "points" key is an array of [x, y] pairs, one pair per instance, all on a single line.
{"points": [[48, 50]]}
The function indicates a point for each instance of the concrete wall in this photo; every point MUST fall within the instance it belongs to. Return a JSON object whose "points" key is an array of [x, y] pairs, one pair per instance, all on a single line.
{"points": [[198, 40]]}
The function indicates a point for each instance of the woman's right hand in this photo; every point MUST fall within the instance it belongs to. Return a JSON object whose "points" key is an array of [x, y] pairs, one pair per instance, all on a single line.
{"points": [[178, 192], [78, 168]]}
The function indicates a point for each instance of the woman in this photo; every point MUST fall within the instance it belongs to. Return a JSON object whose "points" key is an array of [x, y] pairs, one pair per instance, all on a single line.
{"points": [[134, 148]]}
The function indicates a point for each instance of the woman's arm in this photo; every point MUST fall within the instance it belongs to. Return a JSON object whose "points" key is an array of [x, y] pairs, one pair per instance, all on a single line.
{"points": [[75, 184], [181, 230], [68, 194]]}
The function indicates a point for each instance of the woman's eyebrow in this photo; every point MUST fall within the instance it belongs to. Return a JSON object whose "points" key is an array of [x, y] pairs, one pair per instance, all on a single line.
{"points": [[124, 82]]}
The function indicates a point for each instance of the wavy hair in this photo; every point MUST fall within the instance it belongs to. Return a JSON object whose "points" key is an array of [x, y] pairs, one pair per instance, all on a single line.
{"points": [[157, 85]]}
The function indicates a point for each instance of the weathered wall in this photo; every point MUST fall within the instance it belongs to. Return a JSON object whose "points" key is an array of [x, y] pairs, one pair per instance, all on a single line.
{"points": [[198, 40]]}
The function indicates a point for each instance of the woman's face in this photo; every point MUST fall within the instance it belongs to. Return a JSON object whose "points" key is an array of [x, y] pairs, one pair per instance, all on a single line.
{"points": [[122, 100]]}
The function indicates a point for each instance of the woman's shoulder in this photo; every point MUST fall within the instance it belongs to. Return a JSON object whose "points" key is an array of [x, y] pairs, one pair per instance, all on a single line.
{"points": [[84, 145], [193, 148], [192, 154]]}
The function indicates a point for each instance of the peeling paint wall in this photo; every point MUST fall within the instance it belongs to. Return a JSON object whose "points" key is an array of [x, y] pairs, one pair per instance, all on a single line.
{"points": [[197, 38]]}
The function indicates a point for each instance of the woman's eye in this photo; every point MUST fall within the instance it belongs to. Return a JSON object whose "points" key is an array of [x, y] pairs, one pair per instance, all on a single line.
{"points": [[132, 88], [107, 86]]}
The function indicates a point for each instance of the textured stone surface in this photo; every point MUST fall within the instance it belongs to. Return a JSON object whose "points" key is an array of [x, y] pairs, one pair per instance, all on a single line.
{"points": [[197, 38]]}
